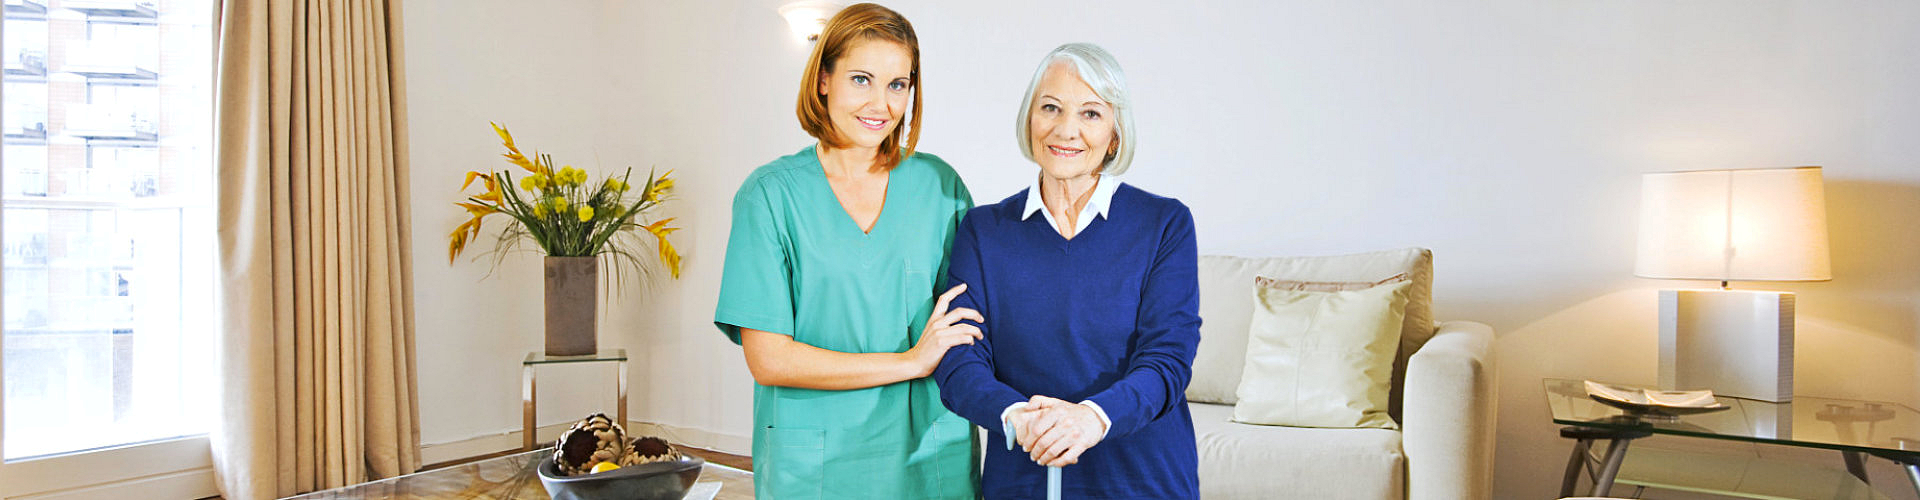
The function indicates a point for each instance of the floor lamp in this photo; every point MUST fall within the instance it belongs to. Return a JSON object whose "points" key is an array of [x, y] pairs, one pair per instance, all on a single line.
{"points": [[1731, 225]]}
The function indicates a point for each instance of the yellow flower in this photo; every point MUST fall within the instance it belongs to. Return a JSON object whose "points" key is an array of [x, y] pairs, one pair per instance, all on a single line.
{"points": [[539, 211], [478, 210], [660, 188], [535, 182], [513, 154], [660, 231], [458, 240], [493, 189], [571, 176]]}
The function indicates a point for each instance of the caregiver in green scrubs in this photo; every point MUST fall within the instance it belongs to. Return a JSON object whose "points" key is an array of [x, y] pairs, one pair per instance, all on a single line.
{"points": [[831, 274]]}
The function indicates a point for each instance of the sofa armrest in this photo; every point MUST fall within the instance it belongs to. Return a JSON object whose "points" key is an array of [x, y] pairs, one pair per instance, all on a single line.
{"points": [[1448, 425]]}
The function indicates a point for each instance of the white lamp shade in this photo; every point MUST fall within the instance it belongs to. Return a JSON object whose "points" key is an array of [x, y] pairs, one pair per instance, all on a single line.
{"points": [[1734, 225]]}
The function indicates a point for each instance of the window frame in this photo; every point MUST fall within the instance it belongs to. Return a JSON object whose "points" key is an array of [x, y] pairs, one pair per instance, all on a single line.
{"points": [[180, 467]]}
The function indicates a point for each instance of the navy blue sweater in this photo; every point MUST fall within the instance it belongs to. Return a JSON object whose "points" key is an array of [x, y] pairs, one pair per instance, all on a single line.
{"points": [[1110, 316]]}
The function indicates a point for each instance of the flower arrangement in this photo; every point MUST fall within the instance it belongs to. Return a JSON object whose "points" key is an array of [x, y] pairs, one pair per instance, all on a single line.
{"points": [[562, 212]]}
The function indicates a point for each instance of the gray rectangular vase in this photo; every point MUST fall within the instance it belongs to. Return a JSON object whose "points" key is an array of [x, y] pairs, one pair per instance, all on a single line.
{"points": [[571, 304]]}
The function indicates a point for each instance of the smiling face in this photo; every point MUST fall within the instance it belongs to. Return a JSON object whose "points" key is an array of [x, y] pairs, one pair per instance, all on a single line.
{"points": [[1070, 128], [867, 92]]}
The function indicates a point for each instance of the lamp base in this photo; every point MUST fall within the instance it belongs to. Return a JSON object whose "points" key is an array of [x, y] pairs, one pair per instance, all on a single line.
{"points": [[1735, 342]]}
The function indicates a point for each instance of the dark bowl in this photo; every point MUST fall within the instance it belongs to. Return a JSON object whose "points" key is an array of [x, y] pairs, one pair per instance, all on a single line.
{"points": [[654, 481]]}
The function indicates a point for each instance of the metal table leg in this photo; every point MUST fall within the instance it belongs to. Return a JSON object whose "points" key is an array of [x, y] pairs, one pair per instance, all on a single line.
{"points": [[1601, 471], [1575, 463], [1856, 465], [1913, 476], [1911, 463], [622, 384], [526, 407], [1616, 453]]}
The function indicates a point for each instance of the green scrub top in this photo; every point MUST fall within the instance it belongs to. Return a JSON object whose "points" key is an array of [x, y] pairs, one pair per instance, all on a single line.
{"points": [[798, 265]]}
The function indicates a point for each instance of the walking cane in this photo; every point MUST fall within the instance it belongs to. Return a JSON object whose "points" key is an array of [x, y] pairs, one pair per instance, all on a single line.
{"points": [[1053, 473]]}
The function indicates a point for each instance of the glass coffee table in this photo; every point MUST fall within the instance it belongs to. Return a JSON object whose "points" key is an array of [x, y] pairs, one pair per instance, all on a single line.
{"points": [[1857, 429], [511, 477]]}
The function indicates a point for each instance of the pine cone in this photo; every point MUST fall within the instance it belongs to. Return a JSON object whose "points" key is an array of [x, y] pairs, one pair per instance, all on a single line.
{"points": [[592, 440], [649, 449]]}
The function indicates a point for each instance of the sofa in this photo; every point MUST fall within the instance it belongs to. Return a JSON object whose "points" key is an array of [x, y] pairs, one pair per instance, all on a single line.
{"points": [[1443, 397]]}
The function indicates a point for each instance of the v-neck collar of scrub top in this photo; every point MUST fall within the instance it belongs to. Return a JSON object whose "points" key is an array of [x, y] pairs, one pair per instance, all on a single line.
{"points": [[820, 167], [1097, 204]]}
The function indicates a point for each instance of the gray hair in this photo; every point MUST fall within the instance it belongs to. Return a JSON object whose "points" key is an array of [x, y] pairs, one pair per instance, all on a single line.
{"points": [[1102, 73]]}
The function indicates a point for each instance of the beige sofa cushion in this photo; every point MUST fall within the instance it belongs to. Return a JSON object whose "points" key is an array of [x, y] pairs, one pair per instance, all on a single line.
{"points": [[1321, 358], [1256, 461], [1226, 309]]}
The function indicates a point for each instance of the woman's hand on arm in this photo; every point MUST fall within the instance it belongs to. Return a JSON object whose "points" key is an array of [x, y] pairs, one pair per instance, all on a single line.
{"points": [[965, 375], [943, 331], [778, 360]]}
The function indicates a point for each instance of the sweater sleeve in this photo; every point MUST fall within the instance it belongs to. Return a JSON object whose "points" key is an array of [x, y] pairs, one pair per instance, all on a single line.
{"points": [[1168, 332], [965, 375], [962, 202]]}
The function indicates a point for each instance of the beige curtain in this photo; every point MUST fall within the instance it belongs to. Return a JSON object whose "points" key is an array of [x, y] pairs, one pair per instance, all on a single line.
{"points": [[317, 352]]}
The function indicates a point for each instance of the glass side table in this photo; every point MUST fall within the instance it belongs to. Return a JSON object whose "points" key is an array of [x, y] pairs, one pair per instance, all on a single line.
{"points": [[1856, 429], [529, 389], [511, 477]]}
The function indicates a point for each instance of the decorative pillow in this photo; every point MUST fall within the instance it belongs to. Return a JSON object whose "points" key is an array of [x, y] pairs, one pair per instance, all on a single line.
{"points": [[1227, 307], [1322, 358], [1323, 286]]}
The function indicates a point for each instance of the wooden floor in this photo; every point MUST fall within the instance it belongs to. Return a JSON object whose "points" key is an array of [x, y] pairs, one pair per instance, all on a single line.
{"points": [[728, 459]]}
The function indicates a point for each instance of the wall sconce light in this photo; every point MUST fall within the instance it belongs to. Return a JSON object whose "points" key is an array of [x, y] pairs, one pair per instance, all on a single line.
{"points": [[808, 17]]}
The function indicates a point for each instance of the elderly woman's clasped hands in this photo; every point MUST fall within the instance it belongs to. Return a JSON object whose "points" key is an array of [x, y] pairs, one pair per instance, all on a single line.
{"points": [[1056, 432]]}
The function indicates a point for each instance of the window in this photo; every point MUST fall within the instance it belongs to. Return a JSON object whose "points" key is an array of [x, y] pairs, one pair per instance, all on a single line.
{"points": [[106, 225]]}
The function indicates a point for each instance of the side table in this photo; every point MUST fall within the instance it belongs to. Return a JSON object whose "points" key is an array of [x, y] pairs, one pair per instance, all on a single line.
{"points": [[1856, 429], [529, 388]]}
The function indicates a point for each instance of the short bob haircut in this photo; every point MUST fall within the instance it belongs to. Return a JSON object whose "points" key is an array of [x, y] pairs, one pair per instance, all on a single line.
{"points": [[855, 24], [1102, 73]]}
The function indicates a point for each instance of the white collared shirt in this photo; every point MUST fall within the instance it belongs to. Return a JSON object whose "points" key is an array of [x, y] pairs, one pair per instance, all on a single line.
{"points": [[1097, 204]]}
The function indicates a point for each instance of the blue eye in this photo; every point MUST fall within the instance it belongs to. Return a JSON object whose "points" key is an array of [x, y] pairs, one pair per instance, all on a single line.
{"points": [[860, 80], [897, 85]]}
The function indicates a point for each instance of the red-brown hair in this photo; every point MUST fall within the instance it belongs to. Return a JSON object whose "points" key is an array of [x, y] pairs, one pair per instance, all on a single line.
{"points": [[859, 23]]}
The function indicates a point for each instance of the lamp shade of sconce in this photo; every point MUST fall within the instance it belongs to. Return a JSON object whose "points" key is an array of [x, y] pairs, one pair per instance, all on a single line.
{"points": [[808, 17], [1734, 225]]}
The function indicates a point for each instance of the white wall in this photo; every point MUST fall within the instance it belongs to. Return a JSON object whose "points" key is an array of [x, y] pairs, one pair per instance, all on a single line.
{"points": [[469, 63], [1506, 135]]}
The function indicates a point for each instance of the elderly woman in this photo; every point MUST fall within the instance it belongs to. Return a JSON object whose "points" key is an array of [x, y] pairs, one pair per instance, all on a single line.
{"points": [[833, 260], [1089, 291]]}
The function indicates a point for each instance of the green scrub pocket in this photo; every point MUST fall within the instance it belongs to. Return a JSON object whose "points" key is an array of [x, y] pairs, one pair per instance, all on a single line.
{"points": [[954, 462], [796, 469]]}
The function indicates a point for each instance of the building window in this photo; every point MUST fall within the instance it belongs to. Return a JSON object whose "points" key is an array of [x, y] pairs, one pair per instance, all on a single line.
{"points": [[106, 223]]}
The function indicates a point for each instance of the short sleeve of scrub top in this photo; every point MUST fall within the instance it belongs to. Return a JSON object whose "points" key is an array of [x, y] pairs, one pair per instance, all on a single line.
{"points": [[756, 288]]}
